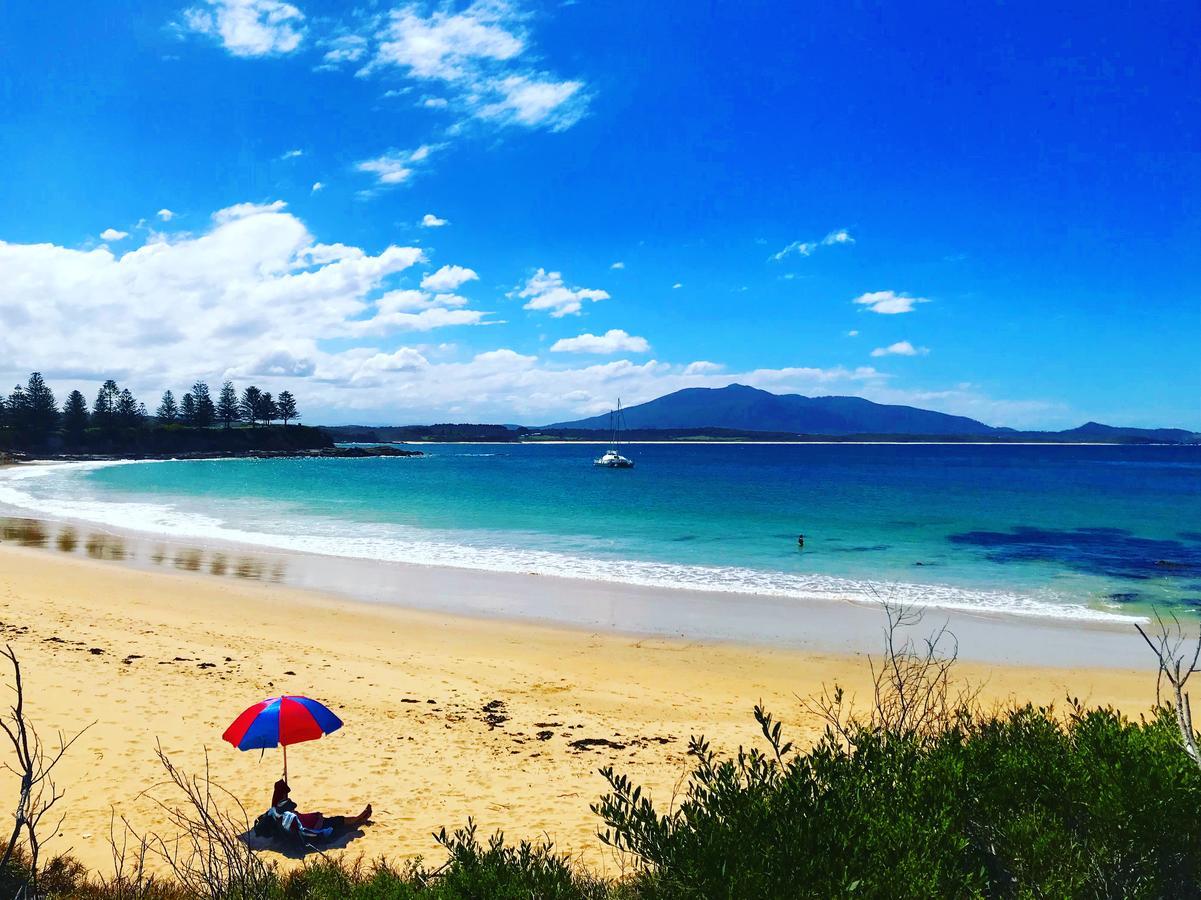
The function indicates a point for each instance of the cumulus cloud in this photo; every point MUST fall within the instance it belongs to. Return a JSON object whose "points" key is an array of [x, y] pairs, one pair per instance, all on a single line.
{"points": [[615, 340], [248, 27], [448, 278], [112, 234], [429, 220], [677, 286], [900, 348], [806, 248], [888, 303], [548, 291], [853, 333], [254, 296], [618, 265], [317, 186], [243, 210], [165, 214], [255, 291]]}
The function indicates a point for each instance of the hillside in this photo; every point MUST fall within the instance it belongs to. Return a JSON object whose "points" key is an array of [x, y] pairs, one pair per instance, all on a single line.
{"points": [[741, 408], [747, 411]]}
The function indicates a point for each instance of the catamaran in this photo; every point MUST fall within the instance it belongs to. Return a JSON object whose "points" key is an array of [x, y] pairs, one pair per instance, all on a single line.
{"points": [[612, 458]]}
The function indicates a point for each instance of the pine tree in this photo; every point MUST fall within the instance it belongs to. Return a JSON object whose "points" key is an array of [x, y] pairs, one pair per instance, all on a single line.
{"points": [[128, 410], [227, 404], [206, 413], [17, 407], [75, 416], [187, 409], [104, 410], [268, 411], [249, 404], [287, 407], [168, 409], [41, 409]]}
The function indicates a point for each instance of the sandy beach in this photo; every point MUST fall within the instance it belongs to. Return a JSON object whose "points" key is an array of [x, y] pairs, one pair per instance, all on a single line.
{"points": [[446, 716]]}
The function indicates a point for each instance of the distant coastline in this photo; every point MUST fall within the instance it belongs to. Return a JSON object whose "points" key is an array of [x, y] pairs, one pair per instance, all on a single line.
{"points": [[501, 434]]}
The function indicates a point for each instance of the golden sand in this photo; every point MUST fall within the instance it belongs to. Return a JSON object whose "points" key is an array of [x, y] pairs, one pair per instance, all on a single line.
{"points": [[155, 657]]}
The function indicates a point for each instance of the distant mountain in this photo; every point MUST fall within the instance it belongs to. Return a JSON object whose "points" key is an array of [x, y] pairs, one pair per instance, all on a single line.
{"points": [[743, 409], [1095, 431]]}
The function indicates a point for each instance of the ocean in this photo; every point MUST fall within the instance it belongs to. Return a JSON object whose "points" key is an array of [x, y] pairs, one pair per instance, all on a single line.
{"points": [[1084, 532]]}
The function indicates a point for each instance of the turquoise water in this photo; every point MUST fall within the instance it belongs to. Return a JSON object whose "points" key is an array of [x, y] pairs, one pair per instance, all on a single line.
{"points": [[1077, 531]]}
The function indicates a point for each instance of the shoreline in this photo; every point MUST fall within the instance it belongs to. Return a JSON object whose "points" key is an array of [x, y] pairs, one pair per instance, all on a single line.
{"points": [[823, 622], [173, 656], [814, 624]]}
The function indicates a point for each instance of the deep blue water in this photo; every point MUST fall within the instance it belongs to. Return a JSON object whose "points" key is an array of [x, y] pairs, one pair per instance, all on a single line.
{"points": [[1028, 528]]}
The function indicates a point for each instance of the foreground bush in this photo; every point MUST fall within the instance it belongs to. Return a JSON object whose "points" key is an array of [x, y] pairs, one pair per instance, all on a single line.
{"points": [[1018, 805], [472, 870]]}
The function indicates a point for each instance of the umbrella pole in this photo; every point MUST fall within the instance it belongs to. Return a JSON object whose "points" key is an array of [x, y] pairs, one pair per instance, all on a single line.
{"points": [[285, 763]]}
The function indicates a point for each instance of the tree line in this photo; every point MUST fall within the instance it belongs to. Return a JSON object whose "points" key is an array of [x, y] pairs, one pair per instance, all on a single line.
{"points": [[31, 408]]}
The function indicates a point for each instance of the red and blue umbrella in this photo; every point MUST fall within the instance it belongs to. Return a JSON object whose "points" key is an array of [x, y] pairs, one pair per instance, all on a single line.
{"points": [[280, 721]]}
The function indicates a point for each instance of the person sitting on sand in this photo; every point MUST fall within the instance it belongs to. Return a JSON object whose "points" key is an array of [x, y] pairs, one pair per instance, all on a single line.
{"points": [[313, 824]]}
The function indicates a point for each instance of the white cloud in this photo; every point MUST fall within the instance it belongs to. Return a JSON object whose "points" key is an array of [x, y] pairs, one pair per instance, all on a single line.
{"points": [[343, 48], [429, 220], [448, 278], [112, 234], [535, 100], [547, 291], [243, 210], [852, 333], [165, 214], [446, 45], [888, 302], [293, 154], [677, 286], [248, 27], [615, 340], [395, 166], [281, 363], [480, 55], [618, 265], [254, 295], [806, 248], [317, 186], [900, 348], [257, 292]]}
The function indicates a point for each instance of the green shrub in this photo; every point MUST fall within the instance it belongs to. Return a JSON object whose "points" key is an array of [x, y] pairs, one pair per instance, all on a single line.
{"points": [[472, 871], [1023, 804]]}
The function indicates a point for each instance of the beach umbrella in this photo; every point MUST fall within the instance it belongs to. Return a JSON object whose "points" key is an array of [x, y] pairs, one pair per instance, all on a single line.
{"points": [[280, 721]]}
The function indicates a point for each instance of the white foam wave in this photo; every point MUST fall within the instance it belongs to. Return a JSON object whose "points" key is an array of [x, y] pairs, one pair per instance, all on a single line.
{"points": [[331, 537]]}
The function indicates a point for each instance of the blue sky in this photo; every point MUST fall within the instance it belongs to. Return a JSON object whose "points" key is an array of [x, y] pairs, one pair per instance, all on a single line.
{"points": [[992, 210]]}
